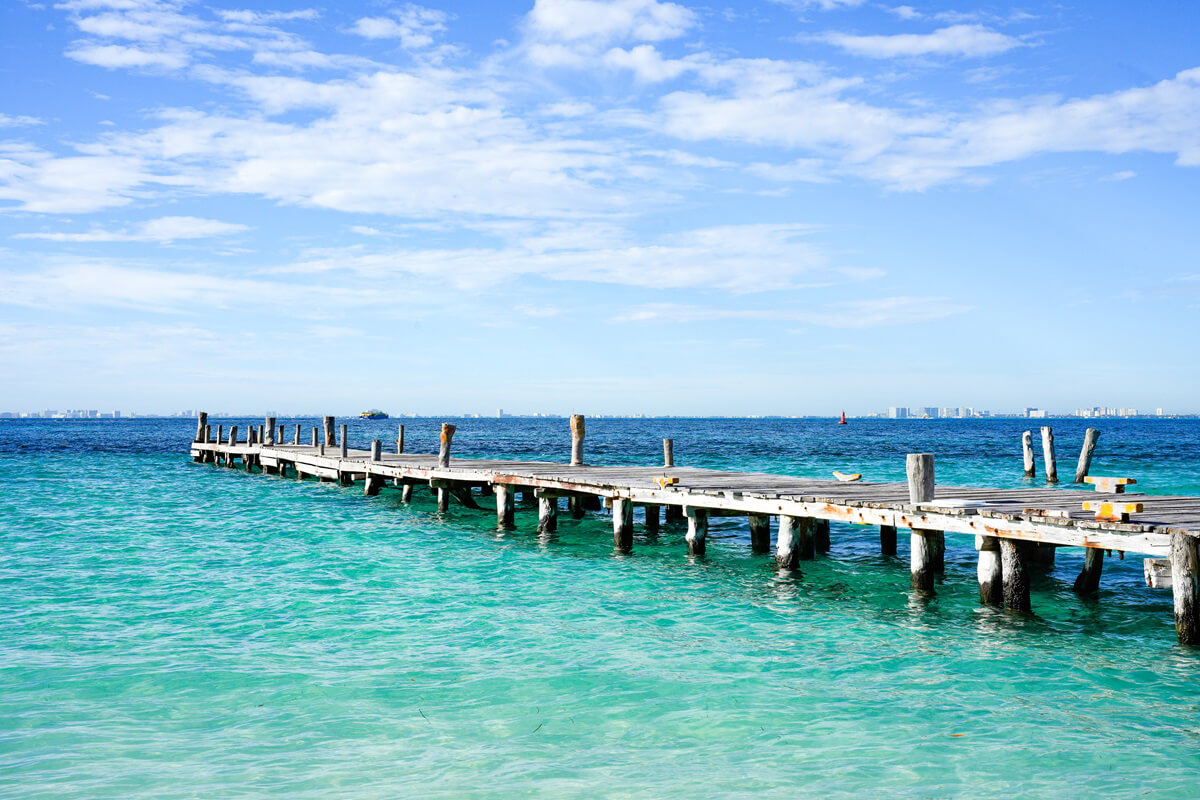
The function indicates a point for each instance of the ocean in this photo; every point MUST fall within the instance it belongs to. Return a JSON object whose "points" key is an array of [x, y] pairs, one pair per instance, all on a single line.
{"points": [[175, 630]]}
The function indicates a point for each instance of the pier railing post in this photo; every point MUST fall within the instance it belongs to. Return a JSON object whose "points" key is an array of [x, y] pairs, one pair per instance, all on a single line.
{"points": [[1048, 454], [1027, 453], [330, 437], [376, 450], [444, 449], [1085, 455], [296, 440], [316, 439], [668, 452], [990, 571], [1185, 583], [924, 543], [269, 430], [577, 433], [400, 439], [201, 421], [345, 443]]}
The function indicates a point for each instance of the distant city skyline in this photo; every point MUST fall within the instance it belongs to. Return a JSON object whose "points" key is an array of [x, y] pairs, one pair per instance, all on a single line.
{"points": [[637, 206]]}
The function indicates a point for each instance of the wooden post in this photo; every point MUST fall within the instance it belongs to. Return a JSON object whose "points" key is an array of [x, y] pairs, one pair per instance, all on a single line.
{"points": [[316, 436], [673, 513], [345, 442], [406, 493], [577, 432], [232, 441], [622, 511], [920, 477], [1016, 577], [1027, 451], [1088, 581], [794, 542], [400, 439], [220, 434], [1185, 583], [924, 543], [937, 544], [697, 530], [991, 573], [261, 434], [760, 533], [296, 440], [887, 540], [1042, 554], [207, 434], [444, 449], [575, 506], [651, 518], [372, 485], [821, 535], [1085, 455], [504, 504], [376, 450], [330, 437], [547, 513], [269, 429], [201, 421], [668, 452], [1048, 454]]}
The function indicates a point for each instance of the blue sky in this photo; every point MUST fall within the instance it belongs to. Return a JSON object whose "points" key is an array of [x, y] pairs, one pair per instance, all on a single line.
{"points": [[607, 207]]}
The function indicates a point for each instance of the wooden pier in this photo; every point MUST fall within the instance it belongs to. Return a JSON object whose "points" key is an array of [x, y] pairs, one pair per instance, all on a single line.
{"points": [[1012, 528]]}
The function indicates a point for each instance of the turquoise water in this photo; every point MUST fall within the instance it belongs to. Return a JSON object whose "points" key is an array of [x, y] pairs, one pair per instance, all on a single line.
{"points": [[177, 630]]}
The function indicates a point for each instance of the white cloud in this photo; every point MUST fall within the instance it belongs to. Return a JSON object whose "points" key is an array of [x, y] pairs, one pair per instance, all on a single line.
{"points": [[615, 20], [37, 181], [954, 40], [117, 56], [415, 26], [18, 121], [865, 313], [162, 230]]}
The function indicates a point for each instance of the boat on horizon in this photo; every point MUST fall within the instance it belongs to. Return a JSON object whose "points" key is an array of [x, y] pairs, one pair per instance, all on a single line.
{"points": [[373, 413]]}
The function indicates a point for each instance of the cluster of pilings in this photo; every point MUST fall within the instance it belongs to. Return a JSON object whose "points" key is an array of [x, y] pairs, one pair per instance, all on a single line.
{"points": [[1082, 468], [1004, 564]]}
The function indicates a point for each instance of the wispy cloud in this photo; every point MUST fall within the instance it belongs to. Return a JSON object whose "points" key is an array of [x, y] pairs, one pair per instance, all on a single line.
{"points": [[162, 230], [968, 41]]}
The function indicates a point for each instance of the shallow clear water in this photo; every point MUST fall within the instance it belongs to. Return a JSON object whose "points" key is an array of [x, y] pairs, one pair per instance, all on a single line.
{"points": [[169, 629]]}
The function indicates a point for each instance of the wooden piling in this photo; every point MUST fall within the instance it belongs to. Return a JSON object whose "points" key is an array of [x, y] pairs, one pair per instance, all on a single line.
{"points": [[990, 571], [697, 531], [207, 433], [406, 493], [262, 434], [372, 485], [220, 434], [201, 421], [1085, 455], [296, 439], [376, 450], [345, 451], [229, 457], [504, 505], [622, 511], [316, 437], [330, 437], [794, 542], [1185, 583], [668, 452], [821, 535], [652, 518], [547, 512], [1088, 581], [577, 433], [926, 546], [887, 540], [1048, 454], [575, 506], [1015, 575], [760, 533], [269, 430], [673, 513], [444, 449], [400, 439], [1027, 451]]}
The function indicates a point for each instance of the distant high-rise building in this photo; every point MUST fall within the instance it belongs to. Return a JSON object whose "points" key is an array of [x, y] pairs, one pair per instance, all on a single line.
{"points": [[927, 411], [1158, 412], [499, 412], [897, 413]]}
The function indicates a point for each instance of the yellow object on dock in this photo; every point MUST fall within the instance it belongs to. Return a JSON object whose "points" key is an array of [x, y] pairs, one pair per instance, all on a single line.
{"points": [[666, 481], [1109, 485], [847, 476], [1109, 511]]}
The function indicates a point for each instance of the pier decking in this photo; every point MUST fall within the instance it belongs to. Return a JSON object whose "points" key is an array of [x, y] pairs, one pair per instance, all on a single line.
{"points": [[1012, 527]]}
